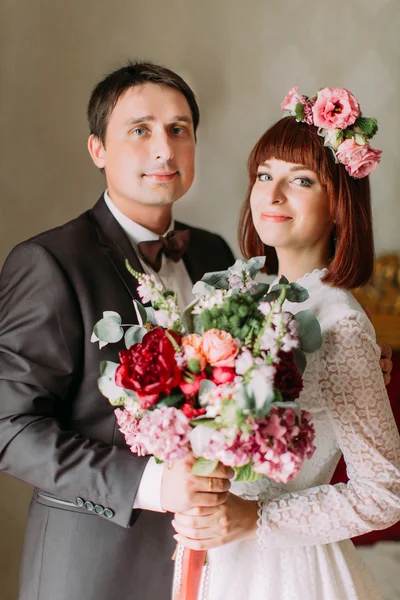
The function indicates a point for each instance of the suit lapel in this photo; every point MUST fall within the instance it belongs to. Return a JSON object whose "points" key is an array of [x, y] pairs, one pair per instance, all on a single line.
{"points": [[115, 245]]}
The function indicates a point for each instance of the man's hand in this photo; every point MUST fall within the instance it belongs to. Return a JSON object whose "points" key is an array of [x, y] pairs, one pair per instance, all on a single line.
{"points": [[205, 528], [182, 491], [386, 362]]}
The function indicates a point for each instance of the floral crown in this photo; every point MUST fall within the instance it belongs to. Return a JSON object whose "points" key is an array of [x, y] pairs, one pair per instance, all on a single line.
{"points": [[336, 112]]}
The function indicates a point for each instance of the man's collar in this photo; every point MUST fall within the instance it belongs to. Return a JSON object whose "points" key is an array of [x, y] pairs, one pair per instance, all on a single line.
{"points": [[136, 233]]}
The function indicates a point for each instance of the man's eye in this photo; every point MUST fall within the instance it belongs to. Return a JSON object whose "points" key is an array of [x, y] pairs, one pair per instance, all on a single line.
{"points": [[177, 130], [139, 131], [263, 177]]}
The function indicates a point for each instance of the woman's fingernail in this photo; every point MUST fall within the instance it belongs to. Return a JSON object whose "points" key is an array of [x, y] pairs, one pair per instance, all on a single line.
{"points": [[176, 537]]}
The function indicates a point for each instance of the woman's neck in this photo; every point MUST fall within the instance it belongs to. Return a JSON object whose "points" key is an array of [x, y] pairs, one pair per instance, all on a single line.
{"points": [[293, 264]]}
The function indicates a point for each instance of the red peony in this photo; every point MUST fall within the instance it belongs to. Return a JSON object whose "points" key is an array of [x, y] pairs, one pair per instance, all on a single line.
{"points": [[149, 367], [287, 377]]}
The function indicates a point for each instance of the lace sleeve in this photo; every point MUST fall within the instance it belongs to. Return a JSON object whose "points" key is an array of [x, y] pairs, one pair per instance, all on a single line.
{"points": [[354, 398]]}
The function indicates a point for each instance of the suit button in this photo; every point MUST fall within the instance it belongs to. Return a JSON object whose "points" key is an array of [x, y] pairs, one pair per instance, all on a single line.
{"points": [[89, 505], [99, 509], [108, 513], [80, 502]]}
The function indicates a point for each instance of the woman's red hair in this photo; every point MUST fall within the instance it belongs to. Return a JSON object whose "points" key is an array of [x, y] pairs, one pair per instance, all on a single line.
{"points": [[352, 244]]}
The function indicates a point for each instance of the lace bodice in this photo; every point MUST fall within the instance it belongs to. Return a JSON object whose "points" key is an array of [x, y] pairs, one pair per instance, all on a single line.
{"points": [[345, 393]]}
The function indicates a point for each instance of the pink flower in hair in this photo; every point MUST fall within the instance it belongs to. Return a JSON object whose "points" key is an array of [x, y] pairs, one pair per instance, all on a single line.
{"points": [[335, 108], [291, 100], [360, 161]]}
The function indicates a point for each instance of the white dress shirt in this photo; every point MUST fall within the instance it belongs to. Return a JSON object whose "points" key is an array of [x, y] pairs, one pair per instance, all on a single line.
{"points": [[173, 276]]}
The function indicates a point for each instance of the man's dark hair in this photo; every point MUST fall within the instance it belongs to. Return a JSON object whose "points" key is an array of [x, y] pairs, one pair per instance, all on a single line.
{"points": [[107, 92]]}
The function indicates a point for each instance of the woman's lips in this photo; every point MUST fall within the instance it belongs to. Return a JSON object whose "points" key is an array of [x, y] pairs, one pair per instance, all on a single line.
{"points": [[274, 217], [161, 177]]}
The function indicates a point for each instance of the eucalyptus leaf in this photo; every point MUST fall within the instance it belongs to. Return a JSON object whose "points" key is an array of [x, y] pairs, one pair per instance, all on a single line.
{"points": [[115, 394], [187, 317], [259, 290], [217, 279], [246, 473], [140, 312], [109, 329], [204, 467], [300, 360], [309, 332], [255, 265], [297, 293], [283, 280], [201, 288], [134, 335], [151, 316], [108, 368]]}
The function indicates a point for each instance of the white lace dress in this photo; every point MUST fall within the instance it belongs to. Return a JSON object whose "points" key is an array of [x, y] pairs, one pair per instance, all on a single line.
{"points": [[303, 550]]}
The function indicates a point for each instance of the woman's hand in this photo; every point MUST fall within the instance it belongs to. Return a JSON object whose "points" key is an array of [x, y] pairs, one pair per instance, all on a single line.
{"points": [[203, 528], [386, 362]]}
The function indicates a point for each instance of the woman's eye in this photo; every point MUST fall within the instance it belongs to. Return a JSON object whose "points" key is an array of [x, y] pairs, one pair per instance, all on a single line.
{"points": [[263, 177], [303, 181]]}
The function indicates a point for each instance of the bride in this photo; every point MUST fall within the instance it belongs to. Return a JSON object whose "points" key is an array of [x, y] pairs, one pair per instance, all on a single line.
{"points": [[308, 206]]}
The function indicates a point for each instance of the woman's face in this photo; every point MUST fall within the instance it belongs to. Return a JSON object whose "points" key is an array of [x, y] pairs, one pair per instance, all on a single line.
{"points": [[290, 207]]}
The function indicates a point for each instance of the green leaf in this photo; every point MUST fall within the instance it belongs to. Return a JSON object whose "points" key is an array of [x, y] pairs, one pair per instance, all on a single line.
{"points": [[204, 467], [259, 291], [151, 316], [246, 473], [134, 335], [206, 422], [109, 329], [296, 293], [217, 279], [369, 126], [194, 366], [300, 360], [140, 312], [172, 400], [158, 461], [283, 281], [201, 288], [299, 111], [310, 331], [255, 264], [108, 368]]}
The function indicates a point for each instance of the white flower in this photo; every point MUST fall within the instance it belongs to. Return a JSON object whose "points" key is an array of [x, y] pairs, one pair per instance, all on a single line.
{"points": [[149, 288], [200, 437], [208, 302], [166, 319], [261, 389], [244, 362]]}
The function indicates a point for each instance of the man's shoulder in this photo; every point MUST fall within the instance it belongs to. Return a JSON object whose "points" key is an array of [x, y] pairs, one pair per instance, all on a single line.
{"points": [[75, 231]]}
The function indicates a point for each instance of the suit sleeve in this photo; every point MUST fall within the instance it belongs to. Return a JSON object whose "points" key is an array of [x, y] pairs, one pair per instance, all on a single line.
{"points": [[41, 365]]}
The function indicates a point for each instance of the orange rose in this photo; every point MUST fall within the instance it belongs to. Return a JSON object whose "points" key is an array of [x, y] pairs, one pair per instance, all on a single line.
{"points": [[219, 348], [192, 346]]}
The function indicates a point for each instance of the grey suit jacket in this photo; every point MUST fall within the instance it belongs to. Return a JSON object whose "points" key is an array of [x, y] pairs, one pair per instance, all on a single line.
{"points": [[58, 433]]}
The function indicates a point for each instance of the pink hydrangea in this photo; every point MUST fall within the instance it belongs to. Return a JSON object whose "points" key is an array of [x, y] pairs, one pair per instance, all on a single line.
{"points": [[335, 108], [360, 161], [163, 432]]}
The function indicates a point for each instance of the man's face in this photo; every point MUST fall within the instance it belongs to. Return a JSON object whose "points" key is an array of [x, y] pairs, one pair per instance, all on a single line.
{"points": [[148, 155]]}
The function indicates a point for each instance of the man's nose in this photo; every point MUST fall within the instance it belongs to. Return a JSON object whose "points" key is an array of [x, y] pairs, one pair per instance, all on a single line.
{"points": [[162, 146]]}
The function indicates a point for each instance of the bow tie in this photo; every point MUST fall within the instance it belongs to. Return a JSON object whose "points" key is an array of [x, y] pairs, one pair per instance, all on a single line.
{"points": [[173, 245]]}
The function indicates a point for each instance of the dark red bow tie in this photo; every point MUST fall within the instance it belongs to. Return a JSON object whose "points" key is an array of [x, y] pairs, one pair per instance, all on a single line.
{"points": [[173, 245]]}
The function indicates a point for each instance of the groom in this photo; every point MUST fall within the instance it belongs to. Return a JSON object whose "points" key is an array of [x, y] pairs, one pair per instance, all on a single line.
{"points": [[100, 519], [99, 524]]}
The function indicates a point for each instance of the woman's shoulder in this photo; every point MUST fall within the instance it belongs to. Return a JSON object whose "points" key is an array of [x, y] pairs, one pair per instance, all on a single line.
{"points": [[334, 307]]}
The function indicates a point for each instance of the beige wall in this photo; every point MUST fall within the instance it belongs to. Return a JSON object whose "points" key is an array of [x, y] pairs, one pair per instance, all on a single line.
{"points": [[241, 56]]}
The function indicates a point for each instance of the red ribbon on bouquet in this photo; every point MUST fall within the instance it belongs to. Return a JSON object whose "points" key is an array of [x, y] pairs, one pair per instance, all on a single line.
{"points": [[193, 562]]}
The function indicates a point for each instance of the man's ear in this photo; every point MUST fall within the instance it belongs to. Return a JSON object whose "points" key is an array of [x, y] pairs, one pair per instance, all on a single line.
{"points": [[96, 151]]}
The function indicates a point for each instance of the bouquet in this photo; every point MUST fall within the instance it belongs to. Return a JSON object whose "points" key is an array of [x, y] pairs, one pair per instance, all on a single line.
{"points": [[220, 380]]}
